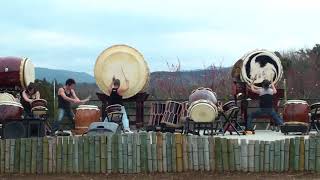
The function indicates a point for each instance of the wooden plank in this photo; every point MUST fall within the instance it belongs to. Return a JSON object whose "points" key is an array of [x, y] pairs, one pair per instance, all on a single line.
{"points": [[218, 154], [292, 155], [206, 153], [211, 153], [50, 154], [64, 154], [286, 154], [34, 152], [59, 155], [143, 152], [17, 156], [190, 153], [312, 153], [54, 155], [297, 153], [159, 152], [28, 156], [12, 153], [7, 156], [22, 155], [271, 167], [103, 151], [81, 154], [277, 156], [262, 144], [179, 151], [97, 149], [130, 154], [174, 154], [306, 155], [115, 153], [76, 154], [282, 155], [267, 156], [225, 156], [109, 153], [125, 153], [120, 154], [134, 153], [302, 155], [91, 154], [138, 152], [2, 156], [169, 151], [251, 155], [164, 152], [256, 156], [317, 154], [200, 153], [195, 154], [237, 155], [184, 153], [154, 151], [244, 155], [231, 155], [45, 156]]}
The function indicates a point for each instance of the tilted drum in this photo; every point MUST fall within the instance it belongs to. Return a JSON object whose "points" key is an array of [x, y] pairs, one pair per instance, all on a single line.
{"points": [[85, 115], [16, 72], [10, 110], [123, 62], [39, 107], [296, 111]]}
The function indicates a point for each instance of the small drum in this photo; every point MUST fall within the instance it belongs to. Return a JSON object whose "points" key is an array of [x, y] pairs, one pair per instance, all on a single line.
{"points": [[203, 93], [228, 105], [85, 115], [172, 114], [10, 111], [7, 97], [16, 72], [39, 107], [296, 111], [203, 111]]}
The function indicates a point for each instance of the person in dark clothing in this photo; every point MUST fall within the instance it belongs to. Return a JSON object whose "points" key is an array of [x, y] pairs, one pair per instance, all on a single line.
{"points": [[116, 92], [266, 95], [28, 95], [66, 96]]}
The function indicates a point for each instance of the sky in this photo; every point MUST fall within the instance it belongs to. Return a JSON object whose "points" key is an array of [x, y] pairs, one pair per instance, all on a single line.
{"points": [[70, 34]]}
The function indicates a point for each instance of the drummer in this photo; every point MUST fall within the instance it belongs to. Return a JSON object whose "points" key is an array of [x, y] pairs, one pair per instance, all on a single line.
{"points": [[116, 92], [66, 96], [266, 94], [28, 95]]}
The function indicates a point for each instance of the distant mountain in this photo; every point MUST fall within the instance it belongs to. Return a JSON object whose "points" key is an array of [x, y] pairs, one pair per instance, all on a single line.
{"points": [[62, 75]]}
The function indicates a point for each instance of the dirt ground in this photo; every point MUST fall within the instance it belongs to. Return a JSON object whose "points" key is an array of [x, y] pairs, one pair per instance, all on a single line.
{"points": [[180, 176]]}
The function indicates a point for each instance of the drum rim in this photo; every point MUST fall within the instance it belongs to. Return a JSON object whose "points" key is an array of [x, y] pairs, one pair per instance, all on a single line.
{"points": [[11, 103], [27, 62], [215, 112], [266, 52], [296, 102], [146, 73], [8, 95]]}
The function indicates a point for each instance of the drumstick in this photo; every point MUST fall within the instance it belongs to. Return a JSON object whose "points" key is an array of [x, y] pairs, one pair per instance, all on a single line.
{"points": [[123, 73]]}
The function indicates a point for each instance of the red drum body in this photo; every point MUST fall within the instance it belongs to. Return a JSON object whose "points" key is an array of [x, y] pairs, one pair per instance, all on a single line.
{"points": [[10, 111], [85, 115], [296, 111], [16, 72]]}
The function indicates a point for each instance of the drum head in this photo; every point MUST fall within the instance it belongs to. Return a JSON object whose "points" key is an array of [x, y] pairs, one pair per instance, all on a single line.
{"points": [[29, 72], [118, 60], [296, 102], [6, 97], [88, 107], [261, 64], [201, 111], [11, 103]]}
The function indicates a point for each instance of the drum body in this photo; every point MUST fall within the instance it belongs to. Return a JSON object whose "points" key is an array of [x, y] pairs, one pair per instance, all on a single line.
{"points": [[261, 64], [123, 62], [16, 72], [39, 107], [296, 111], [85, 115], [10, 111], [202, 105]]}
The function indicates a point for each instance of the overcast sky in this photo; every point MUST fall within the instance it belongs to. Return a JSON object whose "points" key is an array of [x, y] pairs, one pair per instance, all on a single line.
{"points": [[70, 34]]}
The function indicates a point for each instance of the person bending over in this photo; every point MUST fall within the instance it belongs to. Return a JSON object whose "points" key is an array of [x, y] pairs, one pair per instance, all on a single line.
{"points": [[265, 104]]}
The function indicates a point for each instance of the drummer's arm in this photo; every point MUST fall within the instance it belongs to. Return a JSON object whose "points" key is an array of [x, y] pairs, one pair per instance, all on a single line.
{"points": [[63, 95], [273, 88], [25, 97], [37, 95], [125, 88], [76, 97], [253, 88]]}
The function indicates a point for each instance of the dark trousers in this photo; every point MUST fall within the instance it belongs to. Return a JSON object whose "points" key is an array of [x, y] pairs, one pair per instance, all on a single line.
{"points": [[264, 111], [62, 113]]}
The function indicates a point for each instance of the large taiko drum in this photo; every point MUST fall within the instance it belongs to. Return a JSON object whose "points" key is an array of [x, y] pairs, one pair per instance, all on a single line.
{"points": [[85, 115], [259, 64], [16, 72], [296, 111], [10, 110], [7, 97], [123, 62], [202, 106]]}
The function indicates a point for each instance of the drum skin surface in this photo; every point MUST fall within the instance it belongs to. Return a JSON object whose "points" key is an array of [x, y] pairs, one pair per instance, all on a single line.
{"points": [[203, 111], [10, 111], [121, 61], [296, 111], [6, 97], [85, 115], [39, 102], [203, 93], [16, 72]]}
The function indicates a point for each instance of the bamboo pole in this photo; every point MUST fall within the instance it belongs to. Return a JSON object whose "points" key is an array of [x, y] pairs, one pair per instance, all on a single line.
{"points": [[256, 156], [225, 156], [244, 155], [251, 155]]}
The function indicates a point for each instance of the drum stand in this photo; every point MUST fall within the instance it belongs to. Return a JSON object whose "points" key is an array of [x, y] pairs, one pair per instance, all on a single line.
{"points": [[315, 116], [209, 128], [232, 121]]}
